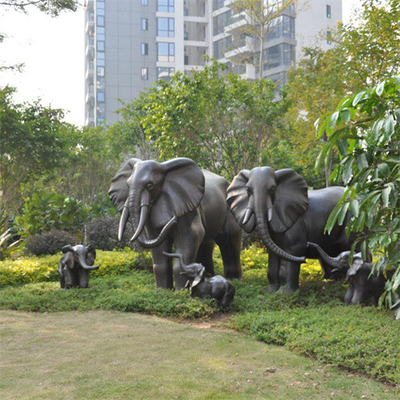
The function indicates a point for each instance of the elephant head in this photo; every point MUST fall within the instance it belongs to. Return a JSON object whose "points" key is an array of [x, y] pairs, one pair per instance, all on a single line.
{"points": [[267, 201], [339, 262], [157, 194], [80, 255], [194, 272]]}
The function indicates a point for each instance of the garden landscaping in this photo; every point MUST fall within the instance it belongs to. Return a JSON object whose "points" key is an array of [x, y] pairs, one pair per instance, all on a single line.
{"points": [[313, 322]]}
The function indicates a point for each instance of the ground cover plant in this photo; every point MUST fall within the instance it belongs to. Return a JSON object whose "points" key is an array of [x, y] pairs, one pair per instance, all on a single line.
{"points": [[313, 322]]}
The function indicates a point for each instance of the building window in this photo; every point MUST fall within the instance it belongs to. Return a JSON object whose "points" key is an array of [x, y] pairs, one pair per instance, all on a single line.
{"points": [[100, 4], [145, 74], [145, 49], [165, 27], [100, 45], [166, 51], [144, 2], [165, 6], [100, 96], [328, 37], [185, 35], [186, 59], [100, 20], [145, 24], [100, 71], [165, 73], [328, 11]]}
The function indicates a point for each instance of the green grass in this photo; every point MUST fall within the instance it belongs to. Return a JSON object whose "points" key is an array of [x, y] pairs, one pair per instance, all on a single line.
{"points": [[313, 322], [114, 355]]}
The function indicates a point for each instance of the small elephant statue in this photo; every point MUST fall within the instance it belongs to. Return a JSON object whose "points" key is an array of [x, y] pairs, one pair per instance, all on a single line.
{"points": [[217, 287], [363, 283], [75, 264], [177, 205]]}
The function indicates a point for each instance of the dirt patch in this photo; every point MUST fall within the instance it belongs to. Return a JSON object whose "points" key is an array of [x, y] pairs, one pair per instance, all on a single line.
{"points": [[217, 322]]}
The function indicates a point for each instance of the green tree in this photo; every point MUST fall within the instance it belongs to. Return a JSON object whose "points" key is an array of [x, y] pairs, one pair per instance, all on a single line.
{"points": [[364, 53], [261, 18], [221, 122], [31, 143], [365, 131]]}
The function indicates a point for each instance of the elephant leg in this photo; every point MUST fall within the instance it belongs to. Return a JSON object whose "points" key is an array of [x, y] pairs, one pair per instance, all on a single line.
{"points": [[61, 275], [230, 242], [187, 242], [162, 267], [205, 257], [69, 278], [274, 263], [83, 275], [292, 277], [349, 295]]}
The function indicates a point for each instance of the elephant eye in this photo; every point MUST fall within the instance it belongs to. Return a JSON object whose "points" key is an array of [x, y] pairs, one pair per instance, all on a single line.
{"points": [[150, 186], [272, 190], [248, 190]]}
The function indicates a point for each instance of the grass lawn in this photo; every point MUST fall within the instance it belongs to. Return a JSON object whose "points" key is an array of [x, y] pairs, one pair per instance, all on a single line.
{"points": [[116, 355]]}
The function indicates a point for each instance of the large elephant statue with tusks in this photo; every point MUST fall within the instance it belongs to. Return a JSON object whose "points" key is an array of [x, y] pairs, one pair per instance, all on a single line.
{"points": [[286, 215], [175, 205]]}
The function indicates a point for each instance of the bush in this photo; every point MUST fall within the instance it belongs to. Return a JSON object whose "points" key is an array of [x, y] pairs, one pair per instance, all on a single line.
{"points": [[46, 211], [50, 242], [44, 268], [102, 234]]}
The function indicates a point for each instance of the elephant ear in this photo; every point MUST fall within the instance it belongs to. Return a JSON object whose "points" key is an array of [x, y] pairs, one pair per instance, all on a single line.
{"points": [[119, 191], [182, 191], [90, 254], [67, 248], [238, 199], [291, 199]]}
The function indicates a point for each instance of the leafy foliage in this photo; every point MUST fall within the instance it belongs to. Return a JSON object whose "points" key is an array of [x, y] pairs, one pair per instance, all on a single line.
{"points": [[364, 53], [31, 143], [46, 211], [221, 122], [50, 242], [102, 233], [365, 129]]}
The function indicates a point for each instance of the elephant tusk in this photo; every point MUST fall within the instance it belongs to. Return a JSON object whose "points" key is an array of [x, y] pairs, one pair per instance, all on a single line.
{"points": [[247, 216], [270, 212], [144, 209], [122, 221]]}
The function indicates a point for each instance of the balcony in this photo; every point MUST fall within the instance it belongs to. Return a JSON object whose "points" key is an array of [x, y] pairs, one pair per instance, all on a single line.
{"points": [[240, 48], [236, 23]]}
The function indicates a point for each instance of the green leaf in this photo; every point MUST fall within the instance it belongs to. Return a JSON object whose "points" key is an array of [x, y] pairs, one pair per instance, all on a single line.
{"points": [[355, 207], [348, 170], [345, 115], [343, 212], [362, 161], [385, 196], [333, 119], [379, 89], [388, 127], [384, 170], [358, 97]]}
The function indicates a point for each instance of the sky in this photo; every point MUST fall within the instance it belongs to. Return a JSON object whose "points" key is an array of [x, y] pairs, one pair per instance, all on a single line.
{"points": [[52, 50]]}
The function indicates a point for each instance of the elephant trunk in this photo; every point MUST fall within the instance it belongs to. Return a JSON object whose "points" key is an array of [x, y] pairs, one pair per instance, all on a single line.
{"points": [[263, 232], [179, 257], [339, 262], [83, 264]]}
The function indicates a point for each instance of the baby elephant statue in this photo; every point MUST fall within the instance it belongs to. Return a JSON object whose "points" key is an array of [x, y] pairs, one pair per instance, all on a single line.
{"points": [[75, 264], [217, 287], [362, 284]]}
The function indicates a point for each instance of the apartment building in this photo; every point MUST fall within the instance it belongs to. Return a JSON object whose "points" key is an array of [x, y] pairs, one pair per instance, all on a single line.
{"points": [[132, 43]]}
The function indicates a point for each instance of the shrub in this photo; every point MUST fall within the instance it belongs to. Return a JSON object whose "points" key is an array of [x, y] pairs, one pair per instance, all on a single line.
{"points": [[49, 242], [102, 234], [44, 268], [46, 211]]}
